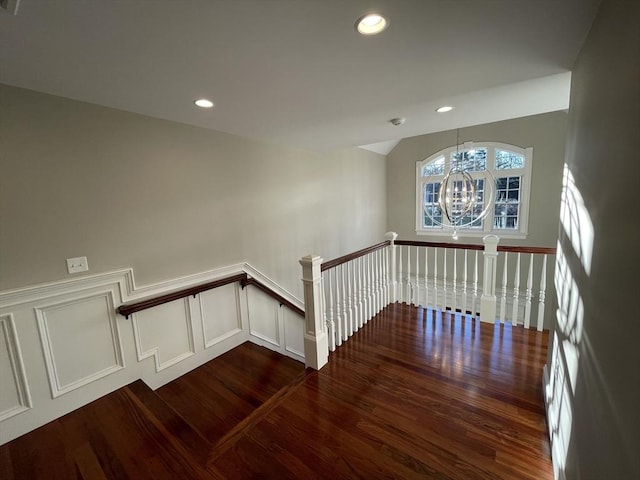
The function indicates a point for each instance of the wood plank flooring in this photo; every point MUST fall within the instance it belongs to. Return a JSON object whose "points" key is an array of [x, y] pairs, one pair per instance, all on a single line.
{"points": [[414, 394]]}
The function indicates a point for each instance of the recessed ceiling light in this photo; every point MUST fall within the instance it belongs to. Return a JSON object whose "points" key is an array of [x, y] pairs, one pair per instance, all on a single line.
{"points": [[371, 23], [203, 103], [444, 109]]}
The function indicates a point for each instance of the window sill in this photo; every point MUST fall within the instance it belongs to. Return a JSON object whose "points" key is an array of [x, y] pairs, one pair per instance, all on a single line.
{"points": [[438, 232]]}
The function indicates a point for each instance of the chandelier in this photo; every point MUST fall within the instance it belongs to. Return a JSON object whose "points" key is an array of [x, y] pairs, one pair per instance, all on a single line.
{"points": [[466, 193]]}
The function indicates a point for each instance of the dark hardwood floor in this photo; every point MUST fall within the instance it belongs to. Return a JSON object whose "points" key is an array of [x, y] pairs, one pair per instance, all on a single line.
{"points": [[415, 394]]}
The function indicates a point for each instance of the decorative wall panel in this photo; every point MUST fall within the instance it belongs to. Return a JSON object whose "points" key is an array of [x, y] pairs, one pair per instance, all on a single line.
{"points": [[80, 341], [220, 313], [263, 315], [293, 333], [165, 333], [14, 394]]}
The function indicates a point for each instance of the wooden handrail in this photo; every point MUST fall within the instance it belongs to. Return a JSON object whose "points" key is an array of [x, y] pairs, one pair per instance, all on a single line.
{"points": [[471, 246], [243, 278], [545, 250], [272, 294], [352, 256], [417, 243], [127, 310]]}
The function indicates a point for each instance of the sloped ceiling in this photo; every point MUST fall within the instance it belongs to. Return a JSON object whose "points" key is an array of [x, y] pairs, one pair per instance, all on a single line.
{"points": [[296, 72]]}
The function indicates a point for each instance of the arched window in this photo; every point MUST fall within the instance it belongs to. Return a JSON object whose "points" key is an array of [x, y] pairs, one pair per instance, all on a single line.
{"points": [[510, 166]]}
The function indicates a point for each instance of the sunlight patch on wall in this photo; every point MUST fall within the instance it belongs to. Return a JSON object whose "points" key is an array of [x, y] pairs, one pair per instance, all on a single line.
{"points": [[563, 373], [575, 220]]}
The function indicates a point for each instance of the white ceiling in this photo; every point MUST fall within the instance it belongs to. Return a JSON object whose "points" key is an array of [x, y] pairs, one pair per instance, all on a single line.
{"points": [[295, 71]]}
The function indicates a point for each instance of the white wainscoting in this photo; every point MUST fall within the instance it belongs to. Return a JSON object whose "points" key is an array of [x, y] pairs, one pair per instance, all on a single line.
{"points": [[14, 393], [62, 345]]}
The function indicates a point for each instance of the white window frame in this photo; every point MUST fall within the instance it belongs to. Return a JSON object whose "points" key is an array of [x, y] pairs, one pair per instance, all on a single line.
{"points": [[487, 224]]}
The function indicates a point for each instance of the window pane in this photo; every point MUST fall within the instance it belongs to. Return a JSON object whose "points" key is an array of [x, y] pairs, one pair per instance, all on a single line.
{"points": [[473, 160], [432, 212], [432, 216], [507, 206], [434, 167], [508, 160]]}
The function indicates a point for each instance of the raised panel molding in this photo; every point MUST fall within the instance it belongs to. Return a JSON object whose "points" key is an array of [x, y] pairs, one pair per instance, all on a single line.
{"points": [[220, 314], [293, 334], [264, 318], [13, 364], [80, 341], [163, 333]]}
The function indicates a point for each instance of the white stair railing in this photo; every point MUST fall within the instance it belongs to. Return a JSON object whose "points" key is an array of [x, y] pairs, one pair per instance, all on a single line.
{"points": [[343, 295], [449, 279], [521, 303], [445, 276]]}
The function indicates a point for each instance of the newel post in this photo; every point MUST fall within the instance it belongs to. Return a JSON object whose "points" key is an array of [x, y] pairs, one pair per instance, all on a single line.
{"points": [[316, 345], [392, 280], [488, 299]]}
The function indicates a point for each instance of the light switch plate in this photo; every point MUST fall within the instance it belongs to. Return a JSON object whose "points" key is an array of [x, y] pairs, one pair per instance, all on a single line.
{"points": [[77, 264]]}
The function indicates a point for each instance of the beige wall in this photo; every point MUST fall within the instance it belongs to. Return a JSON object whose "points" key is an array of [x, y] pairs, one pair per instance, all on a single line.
{"points": [[545, 133], [169, 199], [602, 155]]}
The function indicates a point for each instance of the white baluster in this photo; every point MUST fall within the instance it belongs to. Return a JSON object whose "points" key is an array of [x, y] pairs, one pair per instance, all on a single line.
{"points": [[354, 282], [346, 314], [529, 294], [378, 258], [385, 277], [380, 278], [400, 278], [503, 299], [516, 293], [374, 285], [426, 277], [454, 300], [362, 301], [391, 268], [339, 314], [409, 292], [331, 325], [352, 322], [370, 296], [416, 298], [543, 288], [323, 303], [368, 288], [363, 290], [435, 278], [444, 282], [475, 287], [465, 308]]}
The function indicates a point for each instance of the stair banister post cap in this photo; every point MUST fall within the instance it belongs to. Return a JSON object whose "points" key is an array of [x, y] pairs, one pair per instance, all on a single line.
{"points": [[313, 259], [391, 236], [491, 239]]}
